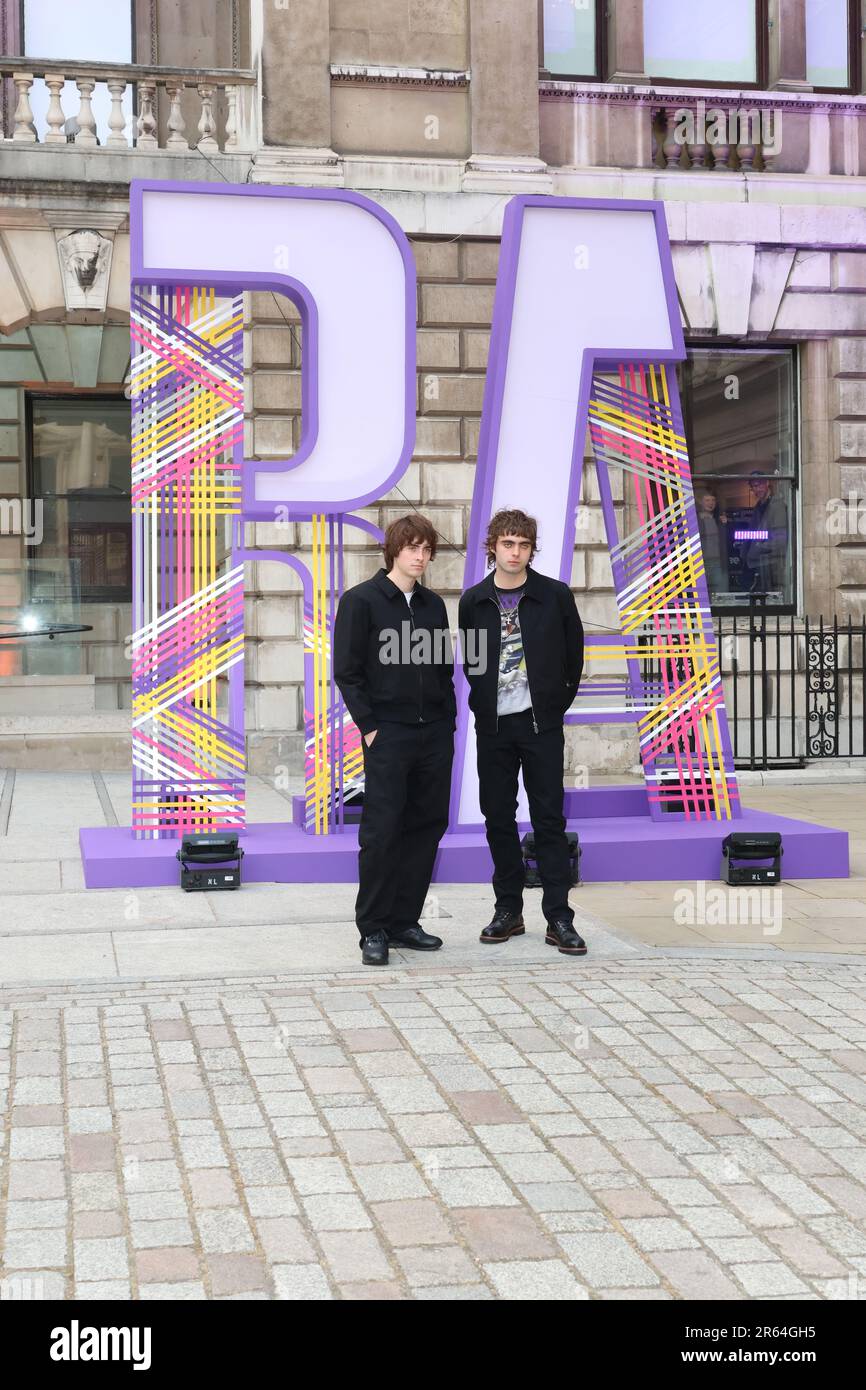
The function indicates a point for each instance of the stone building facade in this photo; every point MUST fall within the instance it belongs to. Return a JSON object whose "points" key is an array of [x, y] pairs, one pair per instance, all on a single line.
{"points": [[441, 110]]}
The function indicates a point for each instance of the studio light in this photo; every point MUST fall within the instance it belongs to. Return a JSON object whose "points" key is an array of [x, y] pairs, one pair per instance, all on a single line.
{"points": [[209, 862], [752, 857]]}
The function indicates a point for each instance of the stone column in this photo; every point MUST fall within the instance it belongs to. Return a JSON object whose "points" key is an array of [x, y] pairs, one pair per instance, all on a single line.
{"points": [[296, 94], [625, 43], [786, 67], [504, 61]]}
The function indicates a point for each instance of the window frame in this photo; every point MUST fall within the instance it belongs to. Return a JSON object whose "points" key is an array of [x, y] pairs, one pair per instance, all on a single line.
{"points": [[73, 393], [793, 480], [762, 61], [854, 52], [601, 46], [22, 33]]}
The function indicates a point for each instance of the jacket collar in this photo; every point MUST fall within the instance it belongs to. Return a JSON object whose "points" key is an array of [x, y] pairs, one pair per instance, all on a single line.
{"points": [[392, 591], [532, 588]]}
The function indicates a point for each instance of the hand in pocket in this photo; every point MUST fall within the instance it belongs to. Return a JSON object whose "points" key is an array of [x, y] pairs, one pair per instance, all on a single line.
{"points": [[368, 738]]}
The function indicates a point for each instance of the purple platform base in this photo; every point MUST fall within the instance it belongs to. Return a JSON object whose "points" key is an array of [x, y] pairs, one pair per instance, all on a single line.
{"points": [[616, 848]]}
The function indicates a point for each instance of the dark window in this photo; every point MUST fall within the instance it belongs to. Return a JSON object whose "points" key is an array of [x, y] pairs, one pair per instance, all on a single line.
{"points": [[79, 470], [739, 409]]}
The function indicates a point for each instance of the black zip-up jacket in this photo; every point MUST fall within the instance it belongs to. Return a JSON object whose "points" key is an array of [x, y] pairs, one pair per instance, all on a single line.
{"points": [[552, 636], [381, 667]]}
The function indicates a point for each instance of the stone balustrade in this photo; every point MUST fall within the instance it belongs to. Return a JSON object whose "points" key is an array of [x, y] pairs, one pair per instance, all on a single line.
{"points": [[610, 125], [699, 134], [175, 109]]}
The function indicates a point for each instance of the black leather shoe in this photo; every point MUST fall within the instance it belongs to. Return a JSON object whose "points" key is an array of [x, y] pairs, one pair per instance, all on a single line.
{"points": [[415, 939], [374, 949], [563, 935], [503, 926]]}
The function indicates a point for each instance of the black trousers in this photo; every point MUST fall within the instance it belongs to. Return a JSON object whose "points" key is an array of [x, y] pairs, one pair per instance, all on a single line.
{"points": [[407, 785], [541, 756]]}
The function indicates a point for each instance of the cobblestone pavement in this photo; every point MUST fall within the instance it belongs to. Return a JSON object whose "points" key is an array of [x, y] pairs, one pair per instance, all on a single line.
{"points": [[643, 1127]]}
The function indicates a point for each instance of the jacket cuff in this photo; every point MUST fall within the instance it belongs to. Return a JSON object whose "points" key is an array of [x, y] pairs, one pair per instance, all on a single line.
{"points": [[367, 724]]}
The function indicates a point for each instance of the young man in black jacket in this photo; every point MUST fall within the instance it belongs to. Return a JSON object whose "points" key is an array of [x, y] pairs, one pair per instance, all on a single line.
{"points": [[394, 666], [534, 640]]}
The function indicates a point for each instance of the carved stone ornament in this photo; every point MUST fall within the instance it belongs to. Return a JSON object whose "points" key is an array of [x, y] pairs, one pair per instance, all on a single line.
{"points": [[85, 263]]}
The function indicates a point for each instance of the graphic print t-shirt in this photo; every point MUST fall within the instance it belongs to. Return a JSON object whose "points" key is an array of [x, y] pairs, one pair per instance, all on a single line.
{"points": [[513, 692]]}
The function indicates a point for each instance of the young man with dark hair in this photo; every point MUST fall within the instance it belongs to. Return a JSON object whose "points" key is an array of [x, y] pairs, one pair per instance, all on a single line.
{"points": [[534, 638], [394, 667]]}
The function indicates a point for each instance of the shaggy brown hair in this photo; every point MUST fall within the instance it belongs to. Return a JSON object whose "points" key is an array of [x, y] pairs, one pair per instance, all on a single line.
{"points": [[408, 530], [510, 523]]}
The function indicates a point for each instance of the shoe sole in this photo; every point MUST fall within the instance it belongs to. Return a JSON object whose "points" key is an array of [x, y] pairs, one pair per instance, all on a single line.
{"points": [[497, 940], [407, 946], [565, 950], [373, 962]]}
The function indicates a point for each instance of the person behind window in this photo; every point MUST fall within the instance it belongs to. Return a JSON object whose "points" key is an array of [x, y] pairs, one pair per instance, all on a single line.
{"points": [[711, 525], [764, 558]]}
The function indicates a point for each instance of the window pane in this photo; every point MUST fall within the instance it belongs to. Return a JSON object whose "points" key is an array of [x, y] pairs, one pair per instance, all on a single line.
{"points": [[704, 43], [827, 43], [80, 470], [569, 37], [54, 29], [740, 422]]}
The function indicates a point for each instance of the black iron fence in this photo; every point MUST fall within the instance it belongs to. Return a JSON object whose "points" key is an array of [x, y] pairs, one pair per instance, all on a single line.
{"points": [[793, 687]]}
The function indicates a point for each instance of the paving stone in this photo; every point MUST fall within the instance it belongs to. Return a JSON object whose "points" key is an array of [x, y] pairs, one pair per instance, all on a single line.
{"points": [[498, 1234], [695, 1275], [370, 1146], [472, 1187], [712, 1221], [188, 1291], [768, 1280], [284, 1240], [270, 1201], [238, 1274], [37, 1141], [417, 1222], [436, 1264], [336, 1212], [486, 1108], [606, 1260], [424, 1130], [37, 1214], [543, 1280], [100, 1258], [461, 1293], [92, 1153], [659, 1233], [151, 1235], [98, 1223], [35, 1249], [319, 1175], [223, 1229], [382, 1182], [165, 1265], [355, 1256], [630, 1201], [374, 1291], [36, 1285], [302, 1283], [557, 1196], [36, 1178], [212, 1187], [114, 1290]]}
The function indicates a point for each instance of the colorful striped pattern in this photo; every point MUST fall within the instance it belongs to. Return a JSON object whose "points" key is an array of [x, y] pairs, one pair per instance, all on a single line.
{"points": [[334, 760], [187, 643], [662, 598]]}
